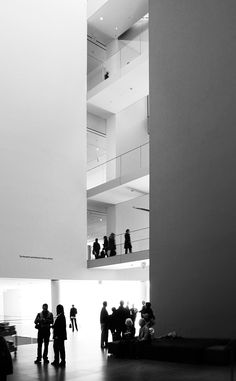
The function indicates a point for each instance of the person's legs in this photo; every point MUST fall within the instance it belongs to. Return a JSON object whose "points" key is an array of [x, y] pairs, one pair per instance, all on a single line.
{"points": [[39, 349], [62, 352], [72, 324], [75, 324], [46, 343], [56, 352]]}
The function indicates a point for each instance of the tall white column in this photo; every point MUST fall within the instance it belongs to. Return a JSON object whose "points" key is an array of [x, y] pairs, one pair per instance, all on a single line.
{"points": [[55, 294]]}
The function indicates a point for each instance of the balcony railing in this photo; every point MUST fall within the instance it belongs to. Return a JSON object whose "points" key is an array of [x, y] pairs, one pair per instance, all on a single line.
{"points": [[119, 166], [139, 241], [119, 60]]}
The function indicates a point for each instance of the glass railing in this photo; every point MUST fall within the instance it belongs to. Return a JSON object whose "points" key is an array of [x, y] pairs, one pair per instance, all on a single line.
{"points": [[139, 241], [119, 60], [119, 166]]}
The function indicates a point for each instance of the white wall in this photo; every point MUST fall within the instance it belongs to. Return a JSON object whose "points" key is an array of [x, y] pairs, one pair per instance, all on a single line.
{"points": [[43, 138], [124, 216], [193, 183], [132, 127]]}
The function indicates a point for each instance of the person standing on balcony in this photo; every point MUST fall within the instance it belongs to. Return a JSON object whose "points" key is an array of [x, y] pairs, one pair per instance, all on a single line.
{"points": [[105, 245], [96, 248], [112, 244], [127, 245]]}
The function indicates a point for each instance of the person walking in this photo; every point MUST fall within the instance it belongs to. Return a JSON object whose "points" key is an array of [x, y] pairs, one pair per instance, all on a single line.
{"points": [[59, 337], [43, 322], [104, 321], [96, 248], [127, 244], [73, 313]]}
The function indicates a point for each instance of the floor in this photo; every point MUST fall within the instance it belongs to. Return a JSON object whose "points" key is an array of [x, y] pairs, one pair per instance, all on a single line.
{"points": [[90, 363]]}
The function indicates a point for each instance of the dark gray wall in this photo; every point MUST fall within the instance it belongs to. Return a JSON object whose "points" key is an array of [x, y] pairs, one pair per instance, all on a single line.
{"points": [[193, 157]]}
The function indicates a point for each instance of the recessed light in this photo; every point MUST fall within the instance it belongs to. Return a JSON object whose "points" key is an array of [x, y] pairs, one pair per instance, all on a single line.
{"points": [[116, 28], [101, 18]]}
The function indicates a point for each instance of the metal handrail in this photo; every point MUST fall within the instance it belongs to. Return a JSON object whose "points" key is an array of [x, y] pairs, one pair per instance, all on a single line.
{"points": [[121, 234], [118, 156]]}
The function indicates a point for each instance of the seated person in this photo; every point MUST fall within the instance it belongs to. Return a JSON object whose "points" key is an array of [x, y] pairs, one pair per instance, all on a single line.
{"points": [[129, 332], [144, 331]]}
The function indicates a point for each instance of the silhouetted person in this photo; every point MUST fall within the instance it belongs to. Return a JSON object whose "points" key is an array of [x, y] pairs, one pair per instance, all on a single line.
{"points": [[127, 244], [112, 244], [121, 315], [73, 313], [106, 75], [96, 248], [105, 245], [104, 321], [148, 315], [6, 366], [59, 337], [142, 311], [113, 323], [133, 313], [43, 322]]}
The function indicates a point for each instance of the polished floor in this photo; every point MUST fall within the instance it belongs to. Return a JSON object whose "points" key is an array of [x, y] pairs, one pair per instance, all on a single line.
{"points": [[89, 363]]}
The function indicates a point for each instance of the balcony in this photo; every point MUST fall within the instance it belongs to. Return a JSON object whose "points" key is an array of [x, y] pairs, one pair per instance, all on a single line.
{"points": [[112, 84], [138, 257], [121, 178]]}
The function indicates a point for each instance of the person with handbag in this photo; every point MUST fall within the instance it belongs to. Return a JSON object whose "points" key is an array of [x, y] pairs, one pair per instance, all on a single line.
{"points": [[73, 313], [59, 337]]}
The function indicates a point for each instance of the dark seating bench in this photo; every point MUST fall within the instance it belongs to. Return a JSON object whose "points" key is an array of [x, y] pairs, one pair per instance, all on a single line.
{"points": [[188, 350]]}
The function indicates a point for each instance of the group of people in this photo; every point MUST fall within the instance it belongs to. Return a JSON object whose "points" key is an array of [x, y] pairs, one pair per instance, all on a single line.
{"points": [[44, 321], [121, 322], [109, 245]]}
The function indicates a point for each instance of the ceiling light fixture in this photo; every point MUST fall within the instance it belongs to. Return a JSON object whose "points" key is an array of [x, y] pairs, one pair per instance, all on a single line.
{"points": [[101, 18]]}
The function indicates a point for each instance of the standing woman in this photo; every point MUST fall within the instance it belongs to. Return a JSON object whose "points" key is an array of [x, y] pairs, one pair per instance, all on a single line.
{"points": [[59, 337], [105, 245], [112, 244], [127, 245]]}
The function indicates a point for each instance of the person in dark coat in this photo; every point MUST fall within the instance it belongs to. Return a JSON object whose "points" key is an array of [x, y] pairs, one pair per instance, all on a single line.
{"points": [[105, 246], [148, 315], [121, 315], [104, 321], [142, 311], [113, 323], [59, 337], [96, 248], [112, 244], [73, 313], [127, 244], [129, 332], [43, 322], [6, 366], [133, 313]]}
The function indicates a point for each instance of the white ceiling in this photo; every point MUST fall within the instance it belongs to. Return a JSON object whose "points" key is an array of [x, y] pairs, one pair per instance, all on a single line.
{"points": [[117, 16], [117, 93], [124, 192]]}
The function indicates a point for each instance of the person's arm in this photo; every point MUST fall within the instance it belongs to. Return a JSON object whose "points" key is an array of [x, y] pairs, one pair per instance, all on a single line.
{"points": [[37, 319]]}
